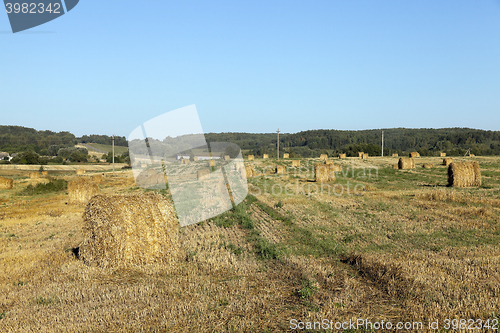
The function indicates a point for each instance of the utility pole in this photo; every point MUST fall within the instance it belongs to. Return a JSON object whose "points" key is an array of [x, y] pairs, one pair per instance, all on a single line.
{"points": [[278, 143], [113, 154], [382, 143]]}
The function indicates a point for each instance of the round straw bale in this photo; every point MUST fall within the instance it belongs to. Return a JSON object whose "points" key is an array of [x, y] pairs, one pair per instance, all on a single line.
{"points": [[227, 157], [97, 179], [280, 169], [428, 166], [250, 171], [251, 157], [466, 174], [395, 155], [365, 156], [442, 154], [406, 163], [414, 154], [328, 162], [286, 155], [360, 154], [185, 161], [45, 173], [6, 183], [130, 230], [323, 172], [323, 157], [34, 175], [81, 190], [447, 161], [211, 163], [80, 172], [342, 156], [265, 156], [296, 163]]}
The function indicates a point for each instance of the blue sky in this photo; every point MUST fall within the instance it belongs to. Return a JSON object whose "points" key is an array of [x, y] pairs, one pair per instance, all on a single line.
{"points": [[253, 66]]}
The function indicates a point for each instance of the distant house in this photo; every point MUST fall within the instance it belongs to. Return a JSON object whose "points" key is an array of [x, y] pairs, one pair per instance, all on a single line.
{"points": [[200, 157], [4, 155]]}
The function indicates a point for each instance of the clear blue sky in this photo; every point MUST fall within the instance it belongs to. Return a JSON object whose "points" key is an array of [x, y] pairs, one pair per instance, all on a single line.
{"points": [[254, 66]]}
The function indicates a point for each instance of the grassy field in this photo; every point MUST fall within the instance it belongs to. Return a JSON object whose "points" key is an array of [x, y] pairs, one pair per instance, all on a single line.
{"points": [[376, 244]]}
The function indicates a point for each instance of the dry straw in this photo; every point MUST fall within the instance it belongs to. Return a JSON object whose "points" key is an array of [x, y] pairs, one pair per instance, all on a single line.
{"points": [[336, 167], [251, 157], [328, 162], [34, 175], [195, 159], [360, 154], [406, 163], [81, 190], [185, 161], [280, 169], [203, 174], [286, 155], [442, 154], [414, 154], [249, 171], [323, 157], [447, 161], [6, 183], [80, 172], [365, 156], [428, 166], [211, 163], [342, 156], [395, 166], [323, 172], [130, 230], [395, 155], [265, 156], [97, 179], [472, 155], [296, 163], [227, 158], [45, 173], [466, 174]]}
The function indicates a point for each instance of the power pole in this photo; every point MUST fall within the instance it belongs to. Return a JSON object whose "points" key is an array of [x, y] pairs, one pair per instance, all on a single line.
{"points": [[113, 154], [382, 143], [278, 143]]}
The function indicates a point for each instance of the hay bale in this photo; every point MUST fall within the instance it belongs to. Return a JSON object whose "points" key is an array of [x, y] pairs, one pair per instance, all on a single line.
{"points": [[6, 183], [395, 155], [80, 172], [265, 156], [472, 155], [406, 163], [395, 166], [34, 175], [195, 159], [428, 166], [442, 154], [280, 169], [342, 156], [130, 230], [323, 172], [466, 174], [203, 174], [45, 173], [365, 156], [185, 161], [249, 171], [286, 155], [360, 154], [296, 163], [414, 154], [81, 190], [447, 161], [251, 157], [227, 157], [328, 162], [211, 163], [323, 157], [97, 179]]}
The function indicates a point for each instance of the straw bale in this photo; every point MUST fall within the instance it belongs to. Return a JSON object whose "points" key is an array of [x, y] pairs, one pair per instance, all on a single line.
{"points": [[97, 179], [296, 163], [447, 161], [203, 174], [466, 174], [442, 154], [428, 166], [227, 158], [34, 175], [265, 156], [323, 172], [342, 156], [286, 155], [185, 161], [280, 169], [414, 154], [130, 231], [323, 157], [45, 173], [250, 171], [81, 190], [251, 157], [395, 166], [472, 155], [6, 183], [80, 172], [328, 162], [406, 163], [211, 163], [395, 155], [360, 154], [365, 156], [195, 159]]}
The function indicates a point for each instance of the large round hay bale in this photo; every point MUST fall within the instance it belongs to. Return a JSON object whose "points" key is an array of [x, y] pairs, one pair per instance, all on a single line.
{"points": [[342, 156], [296, 163], [130, 230], [203, 174], [251, 157], [250, 171], [227, 157], [414, 154], [265, 156], [365, 156], [360, 154], [45, 173], [447, 161], [97, 179], [395, 155], [323, 173], [328, 162], [80, 172], [466, 174], [442, 154], [6, 183], [280, 169], [406, 163], [211, 163], [81, 190], [323, 157], [286, 155], [34, 175], [428, 166]]}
